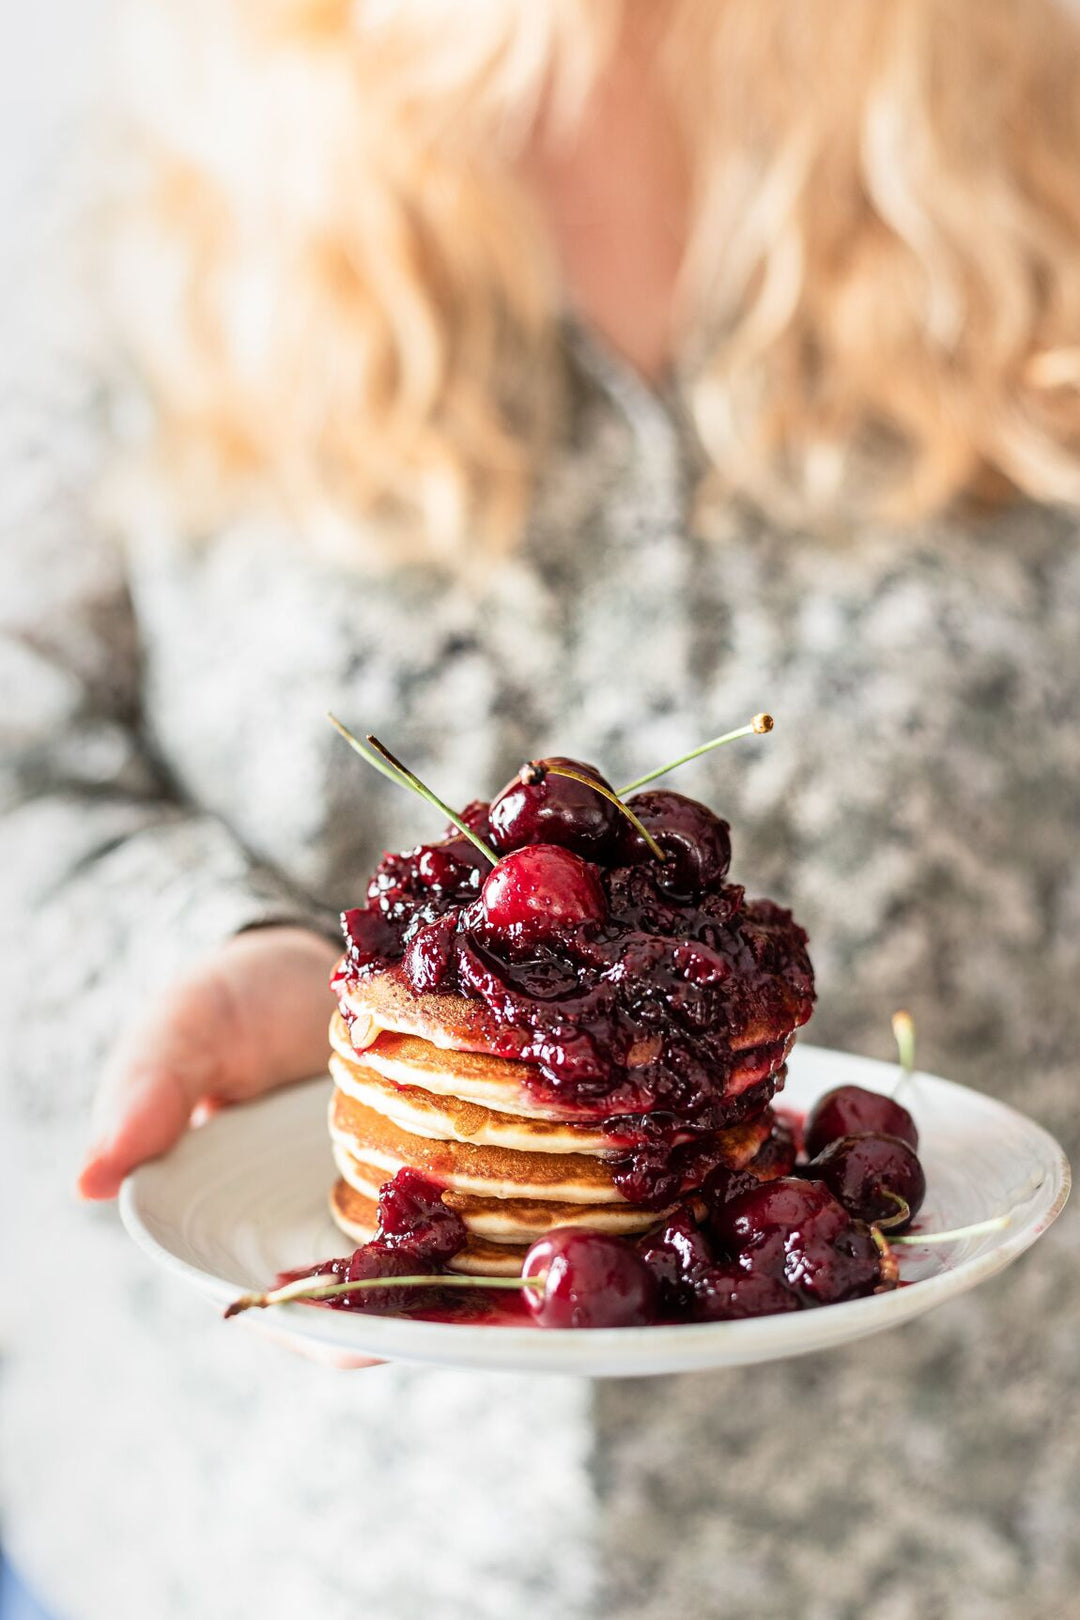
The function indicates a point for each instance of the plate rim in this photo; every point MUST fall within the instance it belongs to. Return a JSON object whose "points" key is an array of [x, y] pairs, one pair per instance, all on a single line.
{"points": [[679, 1346]]}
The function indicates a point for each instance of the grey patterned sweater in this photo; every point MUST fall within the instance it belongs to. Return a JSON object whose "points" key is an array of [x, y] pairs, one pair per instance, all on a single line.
{"points": [[167, 777]]}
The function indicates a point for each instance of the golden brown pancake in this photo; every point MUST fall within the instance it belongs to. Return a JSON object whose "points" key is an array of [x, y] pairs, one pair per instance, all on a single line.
{"points": [[507, 1220], [356, 1213], [493, 1084], [408, 1057], [385, 1000], [500, 1172], [450, 1118]]}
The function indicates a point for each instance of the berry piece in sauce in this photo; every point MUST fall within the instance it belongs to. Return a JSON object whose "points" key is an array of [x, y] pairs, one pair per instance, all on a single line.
{"points": [[726, 1292], [378, 1259], [723, 1185], [852, 1111], [538, 808], [869, 1174], [798, 1233], [679, 1256], [541, 889], [414, 1221], [591, 1280]]}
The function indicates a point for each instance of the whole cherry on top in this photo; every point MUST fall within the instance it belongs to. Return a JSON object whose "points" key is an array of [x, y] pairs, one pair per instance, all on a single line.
{"points": [[541, 888], [557, 822], [542, 805]]}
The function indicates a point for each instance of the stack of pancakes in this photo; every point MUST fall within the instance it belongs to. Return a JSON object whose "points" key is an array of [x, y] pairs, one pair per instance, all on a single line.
{"points": [[416, 1085]]}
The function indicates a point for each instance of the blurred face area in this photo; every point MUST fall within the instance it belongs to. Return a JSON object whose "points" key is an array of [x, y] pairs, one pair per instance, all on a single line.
{"points": [[850, 233]]}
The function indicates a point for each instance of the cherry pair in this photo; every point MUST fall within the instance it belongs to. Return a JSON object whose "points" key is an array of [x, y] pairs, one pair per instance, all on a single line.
{"points": [[861, 1144]]}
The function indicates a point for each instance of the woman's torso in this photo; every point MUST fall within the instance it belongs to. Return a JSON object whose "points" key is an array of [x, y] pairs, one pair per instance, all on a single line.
{"points": [[917, 805]]}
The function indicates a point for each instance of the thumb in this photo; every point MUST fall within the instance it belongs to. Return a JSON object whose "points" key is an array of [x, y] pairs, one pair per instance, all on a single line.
{"points": [[190, 1049], [253, 1016], [157, 1106]]}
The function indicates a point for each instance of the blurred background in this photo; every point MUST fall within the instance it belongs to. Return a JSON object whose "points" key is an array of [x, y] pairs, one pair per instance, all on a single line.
{"points": [[50, 76]]}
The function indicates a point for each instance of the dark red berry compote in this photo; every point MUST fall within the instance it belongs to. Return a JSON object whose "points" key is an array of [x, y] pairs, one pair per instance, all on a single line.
{"points": [[649, 994], [750, 1249]]}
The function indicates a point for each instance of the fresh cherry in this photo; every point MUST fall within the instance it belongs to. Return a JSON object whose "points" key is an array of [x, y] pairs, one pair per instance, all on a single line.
{"points": [[540, 889], [414, 1221], [852, 1111], [797, 1232], [696, 842], [542, 808], [869, 1173], [590, 1281]]}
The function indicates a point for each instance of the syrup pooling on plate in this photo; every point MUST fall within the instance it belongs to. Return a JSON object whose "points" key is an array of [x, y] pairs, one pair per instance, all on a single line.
{"points": [[650, 994]]}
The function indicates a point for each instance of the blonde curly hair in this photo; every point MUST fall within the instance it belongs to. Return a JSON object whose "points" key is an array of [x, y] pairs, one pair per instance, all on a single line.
{"points": [[341, 301]]}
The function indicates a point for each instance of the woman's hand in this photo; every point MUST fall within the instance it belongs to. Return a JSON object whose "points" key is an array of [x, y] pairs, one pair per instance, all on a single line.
{"points": [[252, 1016]]}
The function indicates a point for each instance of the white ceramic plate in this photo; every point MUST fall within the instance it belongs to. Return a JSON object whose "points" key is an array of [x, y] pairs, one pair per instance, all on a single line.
{"points": [[244, 1197]]}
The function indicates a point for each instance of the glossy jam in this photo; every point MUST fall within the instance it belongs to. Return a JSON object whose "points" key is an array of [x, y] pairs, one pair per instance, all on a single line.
{"points": [[745, 1250], [796, 1232], [677, 1005]]}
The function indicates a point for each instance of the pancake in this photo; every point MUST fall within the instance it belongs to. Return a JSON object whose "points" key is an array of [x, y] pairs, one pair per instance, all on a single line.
{"points": [[496, 1172], [500, 1172], [384, 1000], [509, 1220], [409, 1058], [356, 1214], [492, 1084], [445, 1118]]}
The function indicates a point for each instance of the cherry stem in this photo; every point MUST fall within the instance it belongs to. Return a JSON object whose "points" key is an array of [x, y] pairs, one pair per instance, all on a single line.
{"points": [[759, 725], [387, 764], [903, 1028], [888, 1266], [996, 1223], [309, 1288], [612, 798], [903, 1211]]}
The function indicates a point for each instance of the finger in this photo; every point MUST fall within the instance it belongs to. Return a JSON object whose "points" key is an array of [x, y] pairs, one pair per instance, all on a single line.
{"points": [[253, 1016], [153, 1110], [162, 1068]]}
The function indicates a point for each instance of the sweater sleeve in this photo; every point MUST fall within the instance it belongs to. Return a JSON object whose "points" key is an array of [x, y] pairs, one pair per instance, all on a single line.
{"points": [[110, 884]]}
